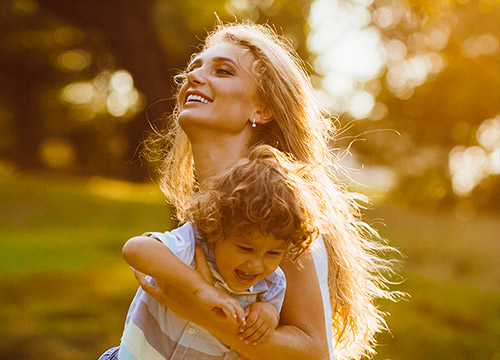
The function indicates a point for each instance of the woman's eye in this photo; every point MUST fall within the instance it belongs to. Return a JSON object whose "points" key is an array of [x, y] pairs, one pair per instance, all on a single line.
{"points": [[223, 71]]}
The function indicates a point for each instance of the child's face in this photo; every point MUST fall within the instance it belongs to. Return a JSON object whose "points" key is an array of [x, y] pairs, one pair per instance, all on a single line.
{"points": [[245, 259]]}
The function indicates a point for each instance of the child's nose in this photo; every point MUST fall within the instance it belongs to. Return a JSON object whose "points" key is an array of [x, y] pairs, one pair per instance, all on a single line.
{"points": [[255, 265]]}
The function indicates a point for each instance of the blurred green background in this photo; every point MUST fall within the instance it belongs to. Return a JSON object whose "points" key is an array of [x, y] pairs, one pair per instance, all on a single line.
{"points": [[415, 84]]}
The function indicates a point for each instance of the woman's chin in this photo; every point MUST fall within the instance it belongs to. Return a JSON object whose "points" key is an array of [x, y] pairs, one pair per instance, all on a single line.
{"points": [[190, 122]]}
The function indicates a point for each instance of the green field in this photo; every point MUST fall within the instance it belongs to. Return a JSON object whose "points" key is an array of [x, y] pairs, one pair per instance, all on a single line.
{"points": [[64, 289]]}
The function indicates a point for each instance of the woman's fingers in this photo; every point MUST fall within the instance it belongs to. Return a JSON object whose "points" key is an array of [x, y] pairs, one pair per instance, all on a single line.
{"points": [[202, 265], [254, 333], [146, 286]]}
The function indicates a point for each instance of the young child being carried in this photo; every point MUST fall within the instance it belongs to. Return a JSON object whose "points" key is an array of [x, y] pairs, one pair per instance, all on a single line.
{"points": [[245, 220]]}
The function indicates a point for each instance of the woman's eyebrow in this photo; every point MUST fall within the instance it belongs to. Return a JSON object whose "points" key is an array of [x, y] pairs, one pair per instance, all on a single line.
{"points": [[196, 61], [199, 60], [225, 59]]}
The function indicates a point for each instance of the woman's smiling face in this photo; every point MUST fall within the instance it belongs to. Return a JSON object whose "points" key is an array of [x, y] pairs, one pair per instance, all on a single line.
{"points": [[220, 93]]}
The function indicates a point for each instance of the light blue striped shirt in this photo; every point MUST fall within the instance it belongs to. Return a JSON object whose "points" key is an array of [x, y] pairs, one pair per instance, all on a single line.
{"points": [[153, 332]]}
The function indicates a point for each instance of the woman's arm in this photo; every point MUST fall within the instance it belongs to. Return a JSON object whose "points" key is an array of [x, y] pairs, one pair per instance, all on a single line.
{"points": [[300, 336]]}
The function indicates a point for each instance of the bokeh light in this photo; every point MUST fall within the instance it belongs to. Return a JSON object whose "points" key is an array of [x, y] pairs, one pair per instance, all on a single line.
{"points": [[108, 92], [350, 53], [78, 93], [73, 60], [68, 36], [25, 6], [469, 165], [484, 44], [57, 152]]}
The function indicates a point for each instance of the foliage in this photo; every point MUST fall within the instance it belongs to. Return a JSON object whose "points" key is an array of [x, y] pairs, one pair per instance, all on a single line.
{"points": [[65, 109], [440, 83], [59, 109]]}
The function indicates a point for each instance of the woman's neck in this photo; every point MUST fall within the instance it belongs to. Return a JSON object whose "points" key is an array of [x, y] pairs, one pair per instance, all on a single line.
{"points": [[212, 155]]}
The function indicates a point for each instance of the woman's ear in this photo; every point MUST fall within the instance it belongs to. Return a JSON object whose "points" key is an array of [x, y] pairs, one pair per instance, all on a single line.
{"points": [[263, 114]]}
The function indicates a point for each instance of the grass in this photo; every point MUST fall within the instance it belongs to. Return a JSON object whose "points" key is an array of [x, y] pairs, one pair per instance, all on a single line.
{"points": [[451, 272], [64, 290]]}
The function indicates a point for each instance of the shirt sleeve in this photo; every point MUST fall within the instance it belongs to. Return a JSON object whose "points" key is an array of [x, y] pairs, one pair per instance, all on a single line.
{"points": [[180, 243], [275, 294]]}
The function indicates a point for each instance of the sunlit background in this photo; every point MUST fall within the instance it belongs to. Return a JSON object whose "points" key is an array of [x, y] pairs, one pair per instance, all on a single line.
{"points": [[355, 54], [412, 86]]}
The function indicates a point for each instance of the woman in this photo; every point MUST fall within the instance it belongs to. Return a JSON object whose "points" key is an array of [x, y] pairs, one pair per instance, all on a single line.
{"points": [[248, 87]]}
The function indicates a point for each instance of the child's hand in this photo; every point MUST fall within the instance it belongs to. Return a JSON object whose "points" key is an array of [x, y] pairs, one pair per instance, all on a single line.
{"points": [[261, 318], [221, 303]]}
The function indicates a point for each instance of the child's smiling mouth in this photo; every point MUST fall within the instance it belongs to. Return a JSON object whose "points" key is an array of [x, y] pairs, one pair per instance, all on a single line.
{"points": [[244, 278]]}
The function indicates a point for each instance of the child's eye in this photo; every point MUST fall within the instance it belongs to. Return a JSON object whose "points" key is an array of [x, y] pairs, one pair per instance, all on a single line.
{"points": [[244, 248], [274, 253]]}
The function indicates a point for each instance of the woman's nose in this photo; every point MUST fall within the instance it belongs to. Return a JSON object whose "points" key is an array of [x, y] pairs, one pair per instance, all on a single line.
{"points": [[196, 77]]}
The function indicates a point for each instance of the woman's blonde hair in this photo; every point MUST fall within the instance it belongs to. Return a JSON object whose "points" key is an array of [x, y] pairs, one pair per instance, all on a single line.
{"points": [[263, 192], [356, 269]]}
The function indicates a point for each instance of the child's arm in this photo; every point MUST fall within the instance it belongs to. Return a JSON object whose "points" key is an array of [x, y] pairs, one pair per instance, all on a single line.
{"points": [[261, 318], [153, 258]]}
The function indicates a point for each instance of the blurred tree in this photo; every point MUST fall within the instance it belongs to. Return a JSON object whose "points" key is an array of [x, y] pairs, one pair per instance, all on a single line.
{"points": [[128, 32], [441, 82], [80, 74]]}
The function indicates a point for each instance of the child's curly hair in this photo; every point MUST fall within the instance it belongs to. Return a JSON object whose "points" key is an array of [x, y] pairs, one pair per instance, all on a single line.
{"points": [[264, 191]]}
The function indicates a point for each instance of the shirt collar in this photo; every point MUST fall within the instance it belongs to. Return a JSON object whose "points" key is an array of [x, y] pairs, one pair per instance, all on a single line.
{"points": [[219, 283]]}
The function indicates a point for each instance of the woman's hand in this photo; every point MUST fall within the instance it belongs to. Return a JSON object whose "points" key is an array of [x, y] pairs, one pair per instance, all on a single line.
{"points": [[301, 334], [215, 300], [190, 307], [159, 293]]}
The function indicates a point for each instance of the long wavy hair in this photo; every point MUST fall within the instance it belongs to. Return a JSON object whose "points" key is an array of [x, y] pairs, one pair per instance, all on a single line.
{"points": [[358, 264], [265, 191]]}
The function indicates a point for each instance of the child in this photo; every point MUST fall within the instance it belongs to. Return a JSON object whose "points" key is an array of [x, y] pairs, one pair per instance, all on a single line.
{"points": [[252, 216]]}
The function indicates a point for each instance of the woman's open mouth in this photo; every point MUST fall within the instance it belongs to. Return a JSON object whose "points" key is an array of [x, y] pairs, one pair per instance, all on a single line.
{"points": [[197, 98]]}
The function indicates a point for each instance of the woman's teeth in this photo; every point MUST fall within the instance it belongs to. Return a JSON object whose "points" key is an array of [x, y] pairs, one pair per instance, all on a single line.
{"points": [[198, 98]]}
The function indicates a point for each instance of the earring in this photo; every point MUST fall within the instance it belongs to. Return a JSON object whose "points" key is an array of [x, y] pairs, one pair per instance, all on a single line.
{"points": [[253, 123]]}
